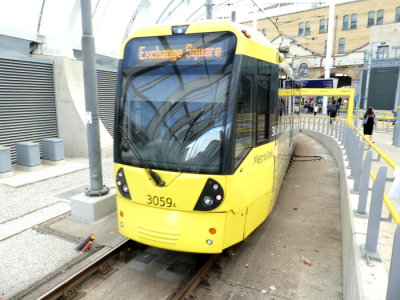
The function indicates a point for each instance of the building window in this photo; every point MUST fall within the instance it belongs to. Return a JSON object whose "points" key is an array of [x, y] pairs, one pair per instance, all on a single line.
{"points": [[379, 17], [371, 18], [301, 28], [307, 31], [322, 26], [382, 52], [303, 70], [263, 31], [326, 46], [397, 18], [341, 46], [345, 22], [353, 21]]}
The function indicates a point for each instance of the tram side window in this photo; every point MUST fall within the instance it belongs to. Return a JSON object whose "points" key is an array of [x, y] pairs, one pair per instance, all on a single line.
{"points": [[243, 119], [262, 110]]}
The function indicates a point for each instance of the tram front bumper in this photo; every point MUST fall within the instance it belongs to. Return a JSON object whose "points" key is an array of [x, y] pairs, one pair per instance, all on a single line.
{"points": [[171, 229]]}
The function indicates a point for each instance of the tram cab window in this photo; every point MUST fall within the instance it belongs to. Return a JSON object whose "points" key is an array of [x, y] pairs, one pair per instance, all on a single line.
{"points": [[262, 110], [244, 119]]}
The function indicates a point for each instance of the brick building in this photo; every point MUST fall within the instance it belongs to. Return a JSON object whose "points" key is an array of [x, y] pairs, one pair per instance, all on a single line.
{"points": [[303, 36]]}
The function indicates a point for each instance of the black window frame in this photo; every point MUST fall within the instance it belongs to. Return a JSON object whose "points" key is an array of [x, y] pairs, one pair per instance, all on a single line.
{"points": [[341, 46], [371, 19], [380, 16], [322, 26], [251, 67], [345, 25], [382, 54], [304, 69], [250, 77], [353, 21], [397, 15], [262, 136], [301, 29], [307, 28]]}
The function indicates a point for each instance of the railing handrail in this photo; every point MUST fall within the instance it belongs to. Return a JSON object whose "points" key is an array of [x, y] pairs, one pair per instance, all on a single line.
{"points": [[389, 161], [376, 149]]}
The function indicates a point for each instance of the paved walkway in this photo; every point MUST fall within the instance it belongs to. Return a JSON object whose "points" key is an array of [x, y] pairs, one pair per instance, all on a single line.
{"points": [[305, 223]]}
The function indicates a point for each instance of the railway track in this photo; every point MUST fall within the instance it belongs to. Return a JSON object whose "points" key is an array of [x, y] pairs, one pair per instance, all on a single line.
{"points": [[67, 288], [115, 260]]}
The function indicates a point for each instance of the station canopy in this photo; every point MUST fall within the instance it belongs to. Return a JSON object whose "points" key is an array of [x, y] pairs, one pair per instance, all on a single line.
{"points": [[56, 25]]}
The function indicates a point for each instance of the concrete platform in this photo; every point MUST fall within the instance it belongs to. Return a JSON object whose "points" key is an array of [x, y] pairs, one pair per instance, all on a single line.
{"points": [[28, 175]]}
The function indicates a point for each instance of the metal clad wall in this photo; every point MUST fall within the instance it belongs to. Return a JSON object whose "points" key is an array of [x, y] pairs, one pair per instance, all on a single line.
{"points": [[27, 102], [382, 88], [106, 86]]}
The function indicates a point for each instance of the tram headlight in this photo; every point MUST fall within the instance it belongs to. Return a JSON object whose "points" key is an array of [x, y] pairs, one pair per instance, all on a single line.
{"points": [[179, 29], [211, 196], [122, 184], [208, 201]]}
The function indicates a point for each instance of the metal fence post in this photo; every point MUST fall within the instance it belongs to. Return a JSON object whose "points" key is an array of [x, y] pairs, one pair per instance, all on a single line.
{"points": [[342, 131], [356, 170], [319, 125], [393, 289], [364, 183], [349, 149], [344, 135], [313, 127], [375, 211], [334, 133], [346, 140]]}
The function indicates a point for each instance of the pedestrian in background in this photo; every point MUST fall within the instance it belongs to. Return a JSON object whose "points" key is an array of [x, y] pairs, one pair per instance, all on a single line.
{"points": [[332, 113], [369, 123], [329, 108], [315, 109]]}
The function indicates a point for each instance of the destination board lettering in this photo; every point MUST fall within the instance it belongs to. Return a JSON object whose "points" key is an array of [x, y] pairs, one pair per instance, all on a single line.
{"points": [[157, 53]]}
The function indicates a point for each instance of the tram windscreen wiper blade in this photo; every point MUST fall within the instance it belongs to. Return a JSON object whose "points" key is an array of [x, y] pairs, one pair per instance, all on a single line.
{"points": [[157, 179]]}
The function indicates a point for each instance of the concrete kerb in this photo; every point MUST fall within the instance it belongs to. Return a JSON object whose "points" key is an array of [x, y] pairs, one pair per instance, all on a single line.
{"points": [[91, 209], [361, 280]]}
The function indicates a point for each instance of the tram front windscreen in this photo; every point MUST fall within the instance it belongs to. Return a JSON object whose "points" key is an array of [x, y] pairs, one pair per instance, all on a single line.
{"points": [[174, 96]]}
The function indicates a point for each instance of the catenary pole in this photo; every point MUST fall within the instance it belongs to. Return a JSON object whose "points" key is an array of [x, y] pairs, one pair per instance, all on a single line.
{"points": [[92, 114], [233, 16], [209, 6], [369, 53], [329, 46], [396, 132]]}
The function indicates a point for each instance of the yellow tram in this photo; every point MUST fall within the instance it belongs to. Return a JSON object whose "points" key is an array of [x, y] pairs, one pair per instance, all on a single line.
{"points": [[202, 141]]}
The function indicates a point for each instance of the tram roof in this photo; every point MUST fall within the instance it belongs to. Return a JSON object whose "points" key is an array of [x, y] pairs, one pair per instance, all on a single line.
{"points": [[250, 41]]}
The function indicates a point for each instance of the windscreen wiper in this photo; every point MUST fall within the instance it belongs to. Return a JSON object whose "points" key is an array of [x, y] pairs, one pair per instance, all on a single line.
{"points": [[157, 179]]}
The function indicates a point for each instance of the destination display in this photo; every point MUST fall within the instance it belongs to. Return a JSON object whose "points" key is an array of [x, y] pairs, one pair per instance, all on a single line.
{"points": [[323, 83], [214, 48], [158, 53]]}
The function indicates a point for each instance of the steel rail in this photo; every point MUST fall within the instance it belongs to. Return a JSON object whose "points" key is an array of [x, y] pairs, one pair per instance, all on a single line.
{"points": [[58, 291], [195, 280]]}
